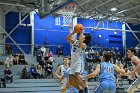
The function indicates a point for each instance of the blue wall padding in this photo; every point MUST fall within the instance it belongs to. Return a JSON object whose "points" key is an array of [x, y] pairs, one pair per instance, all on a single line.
{"points": [[55, 34], [131, 41], [21, 35]]}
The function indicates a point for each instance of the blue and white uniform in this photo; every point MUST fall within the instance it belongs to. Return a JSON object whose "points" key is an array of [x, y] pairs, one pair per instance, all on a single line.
{"points": [[65, 72], [106, 78], [83, 72], [136, 84], [76, 52]]}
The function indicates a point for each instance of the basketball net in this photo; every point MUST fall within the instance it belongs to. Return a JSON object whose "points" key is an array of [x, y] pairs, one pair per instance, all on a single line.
{"points": [[68, 13]]}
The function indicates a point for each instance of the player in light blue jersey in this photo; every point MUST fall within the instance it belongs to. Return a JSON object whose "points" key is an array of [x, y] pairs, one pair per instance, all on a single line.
{"points": [[106, 75]]}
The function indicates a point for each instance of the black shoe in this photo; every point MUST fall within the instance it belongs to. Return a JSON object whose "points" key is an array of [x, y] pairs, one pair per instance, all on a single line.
{"points": [[86, 90], [81, 91]]}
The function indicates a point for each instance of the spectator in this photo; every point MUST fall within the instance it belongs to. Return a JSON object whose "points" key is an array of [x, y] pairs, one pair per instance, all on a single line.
{"points": [[8, 75], [39, 71], [15, 59], [114, 57], [8, 49], [49, 62], [48, 71], [35, 50], [43, 50], [42, 62], [39, 55], [59, 50], [2, 81], [33, 72], [25, 73], [21, 59], [9, 61], [50, 54], [89, 59], [91, 51]]}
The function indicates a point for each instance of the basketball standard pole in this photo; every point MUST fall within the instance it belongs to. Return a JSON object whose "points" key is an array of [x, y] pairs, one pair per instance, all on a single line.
{"points": [[32, 30], [124, 39]]}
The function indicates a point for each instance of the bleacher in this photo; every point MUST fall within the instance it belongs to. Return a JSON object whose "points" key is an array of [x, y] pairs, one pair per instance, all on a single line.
{"points": [[44, 85]]}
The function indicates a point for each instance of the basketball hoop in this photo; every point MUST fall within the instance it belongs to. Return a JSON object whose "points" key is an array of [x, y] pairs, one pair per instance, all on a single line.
{"points": [[68, 13]]}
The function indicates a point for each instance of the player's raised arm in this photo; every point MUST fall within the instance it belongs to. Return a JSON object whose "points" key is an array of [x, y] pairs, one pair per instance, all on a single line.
{"points": [[69, 38], [81, 40]]}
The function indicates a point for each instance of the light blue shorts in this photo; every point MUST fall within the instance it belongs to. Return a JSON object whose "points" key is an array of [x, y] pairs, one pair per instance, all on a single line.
{"points": [[72, 89], [106, 87]]}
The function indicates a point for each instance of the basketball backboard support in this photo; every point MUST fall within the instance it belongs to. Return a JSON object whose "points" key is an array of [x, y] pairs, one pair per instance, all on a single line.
{"points": [[48, 7]]}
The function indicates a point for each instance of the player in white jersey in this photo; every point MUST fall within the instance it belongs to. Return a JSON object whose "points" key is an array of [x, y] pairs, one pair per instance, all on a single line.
{"points": [[136, 66], [76, 53], [76, 57], [62, 73]]}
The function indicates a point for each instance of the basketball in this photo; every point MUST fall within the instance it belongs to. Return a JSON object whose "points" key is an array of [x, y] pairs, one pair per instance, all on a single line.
{"points": [[78, 28]]}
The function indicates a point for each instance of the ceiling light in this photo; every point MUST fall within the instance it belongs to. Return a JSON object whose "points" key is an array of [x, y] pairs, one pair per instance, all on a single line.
{"points": [[113, 9]]}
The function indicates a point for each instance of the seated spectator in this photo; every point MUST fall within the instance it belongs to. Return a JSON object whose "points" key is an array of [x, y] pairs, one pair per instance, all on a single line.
{"points": [[59, 50], [39, 71], [8, 49], [49, 62], [50, 54], [43, 50], [25, 73], [15, 59], [21, 59], [89, 59], [42, 63], [91, 51], [97, 58], [35, 50], [33, 72], [39, 55], [9, 61], [8, 75], [118, 61], [2, 82], [48, 71]]}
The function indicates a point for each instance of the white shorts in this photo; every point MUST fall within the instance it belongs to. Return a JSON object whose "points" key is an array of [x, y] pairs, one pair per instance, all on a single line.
{"points": [[63, 83], [75, 68], [134, 86]]}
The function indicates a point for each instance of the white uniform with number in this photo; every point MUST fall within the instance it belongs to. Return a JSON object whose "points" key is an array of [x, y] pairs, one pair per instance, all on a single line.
{"points": [[65, 72], [76, 58], [136, 84]]}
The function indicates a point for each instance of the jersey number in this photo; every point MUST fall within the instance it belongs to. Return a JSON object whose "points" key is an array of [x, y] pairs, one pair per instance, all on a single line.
{"points": [[74, 49], [108, 70]]}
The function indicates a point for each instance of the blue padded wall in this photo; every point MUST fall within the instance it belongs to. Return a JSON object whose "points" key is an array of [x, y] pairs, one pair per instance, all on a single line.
{"points": [[131, 41], [46, 29], [21, 35], [114, 40]]}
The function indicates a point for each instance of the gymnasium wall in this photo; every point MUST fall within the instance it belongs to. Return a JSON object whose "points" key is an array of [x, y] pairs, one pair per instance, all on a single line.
{"points": [[109, 38], [21, 35], [46, 32], [45, 29], [1, 31], [131, 41]]}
